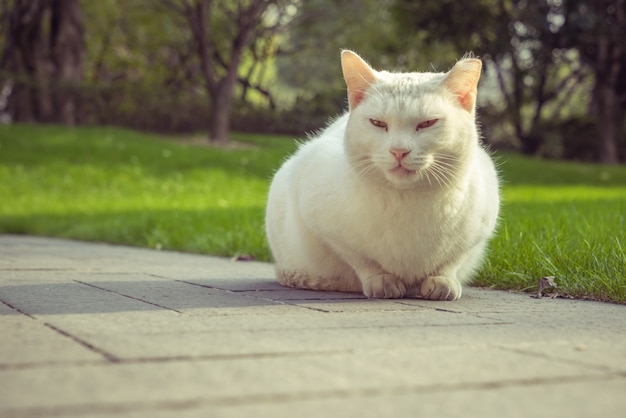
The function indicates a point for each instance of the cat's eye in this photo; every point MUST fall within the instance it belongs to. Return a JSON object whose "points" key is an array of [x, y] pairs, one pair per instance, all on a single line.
{"points": [[426, 124], [379, 124]]}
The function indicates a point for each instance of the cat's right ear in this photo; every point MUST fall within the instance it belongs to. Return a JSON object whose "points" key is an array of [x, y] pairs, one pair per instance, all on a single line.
{"points": [[462, 80], [359, 76]]}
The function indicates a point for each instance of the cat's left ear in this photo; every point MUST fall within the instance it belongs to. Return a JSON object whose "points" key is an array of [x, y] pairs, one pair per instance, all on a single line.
{"points": [[462, 80], [359, 77]]}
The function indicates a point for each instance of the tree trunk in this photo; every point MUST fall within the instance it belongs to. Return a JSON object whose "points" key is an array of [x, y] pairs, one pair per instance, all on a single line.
{"points": [[608, 67], [608, 125], [531, 143], [214, 61], [29, 100], [68, 50], [221, 104], [45, 51]]}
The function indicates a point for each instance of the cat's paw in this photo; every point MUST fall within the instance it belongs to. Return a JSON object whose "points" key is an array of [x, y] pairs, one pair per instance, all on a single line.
{"points": [[440, 288], [384, 286]]}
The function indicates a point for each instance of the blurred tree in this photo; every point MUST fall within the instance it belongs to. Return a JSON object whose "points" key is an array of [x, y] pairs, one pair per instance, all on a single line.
{"points": [[43, 59], [67, 57], [143, 69], [520, 41], [597, 28], [222, 32], [138, 69], [308, 62], [542, 52]]}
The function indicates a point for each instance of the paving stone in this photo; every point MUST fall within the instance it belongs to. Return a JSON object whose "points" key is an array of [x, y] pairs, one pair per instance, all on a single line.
{"points": [[100, 330], [514, 401], [67, 298], [604, 353], [27, 342], [226, 380]]}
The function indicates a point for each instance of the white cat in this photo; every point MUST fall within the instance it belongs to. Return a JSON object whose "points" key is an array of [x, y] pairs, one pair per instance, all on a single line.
{"points": [[396, 198]]}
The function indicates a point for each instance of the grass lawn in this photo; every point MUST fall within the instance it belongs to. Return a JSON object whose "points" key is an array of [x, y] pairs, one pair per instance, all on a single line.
{"points": [[114, 185]]}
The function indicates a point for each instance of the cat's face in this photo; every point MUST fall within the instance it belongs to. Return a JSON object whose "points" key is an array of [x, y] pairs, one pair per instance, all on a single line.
{"points": [[408, 129]]}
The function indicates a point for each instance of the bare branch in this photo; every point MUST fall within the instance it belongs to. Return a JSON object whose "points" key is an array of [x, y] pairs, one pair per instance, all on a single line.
{"points": [[572, 79]]}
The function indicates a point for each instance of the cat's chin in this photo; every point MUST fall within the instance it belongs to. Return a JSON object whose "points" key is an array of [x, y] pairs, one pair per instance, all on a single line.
{"points": [[402, 177]]}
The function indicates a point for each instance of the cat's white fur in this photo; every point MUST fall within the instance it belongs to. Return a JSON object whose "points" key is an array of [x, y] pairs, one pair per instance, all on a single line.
{"points": [[382, 203]]}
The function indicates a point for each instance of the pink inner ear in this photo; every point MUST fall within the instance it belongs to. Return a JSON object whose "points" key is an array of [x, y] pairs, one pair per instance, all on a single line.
{"points": [[463, 81], [355, 98], [356, 91], [468, 100], [358, 75]]}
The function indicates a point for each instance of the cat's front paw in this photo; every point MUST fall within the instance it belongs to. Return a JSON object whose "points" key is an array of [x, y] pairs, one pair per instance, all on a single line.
{"points": [[440, 288], [384, 286]]}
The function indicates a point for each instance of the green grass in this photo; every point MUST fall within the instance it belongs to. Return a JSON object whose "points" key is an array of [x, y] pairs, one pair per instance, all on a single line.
{"points": [[560, 219], [119, 186]]}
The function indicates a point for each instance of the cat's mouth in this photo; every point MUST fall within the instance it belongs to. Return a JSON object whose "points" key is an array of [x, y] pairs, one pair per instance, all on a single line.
{"points": [[401, 171]]}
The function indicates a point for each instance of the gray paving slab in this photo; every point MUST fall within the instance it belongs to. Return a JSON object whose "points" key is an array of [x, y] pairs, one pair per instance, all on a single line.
{"points": [[94, 330]]}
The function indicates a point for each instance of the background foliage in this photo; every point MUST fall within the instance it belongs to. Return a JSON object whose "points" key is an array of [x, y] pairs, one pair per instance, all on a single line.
{"points": [[553, 83]]}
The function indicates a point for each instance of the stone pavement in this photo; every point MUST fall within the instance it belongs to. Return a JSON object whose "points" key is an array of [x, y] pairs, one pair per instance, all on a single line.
{"points": [[95, 330]]}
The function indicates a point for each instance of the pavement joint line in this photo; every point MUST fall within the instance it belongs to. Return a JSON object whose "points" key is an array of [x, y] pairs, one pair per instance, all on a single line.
{"points": [[199, 284], [35, 269], [311, 308], [127, 296], [18, 310], [408, 389], [233, 357], [206, 286], [544, 356], [278, 398], [103, 408], [248, 294], [253, 290], [479, 324], [158, 276], [351, 327], [176, 359], [425, 305], [286, 303], [108, 356], [51, 364]]}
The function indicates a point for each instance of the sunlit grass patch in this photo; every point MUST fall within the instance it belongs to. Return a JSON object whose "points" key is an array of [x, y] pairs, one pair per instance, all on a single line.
{"points": [[569, 221], [105, 184], [113, 185]]}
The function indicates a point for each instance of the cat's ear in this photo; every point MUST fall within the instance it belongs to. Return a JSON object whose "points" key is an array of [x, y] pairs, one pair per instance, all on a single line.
{"points": [[462, 80], [359, 76]]}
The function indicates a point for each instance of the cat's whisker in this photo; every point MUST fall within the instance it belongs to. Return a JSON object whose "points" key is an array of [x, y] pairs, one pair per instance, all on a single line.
{"points": [[447, 160], [436, 176], [363, 165], [448, 168], [441, 166], [447, 178], [444, 172], [427, 177], [366, 171], [444, 163]]}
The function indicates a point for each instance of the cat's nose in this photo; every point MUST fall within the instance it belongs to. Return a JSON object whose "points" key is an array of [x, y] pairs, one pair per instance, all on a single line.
{"points": [[399, 153]]}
